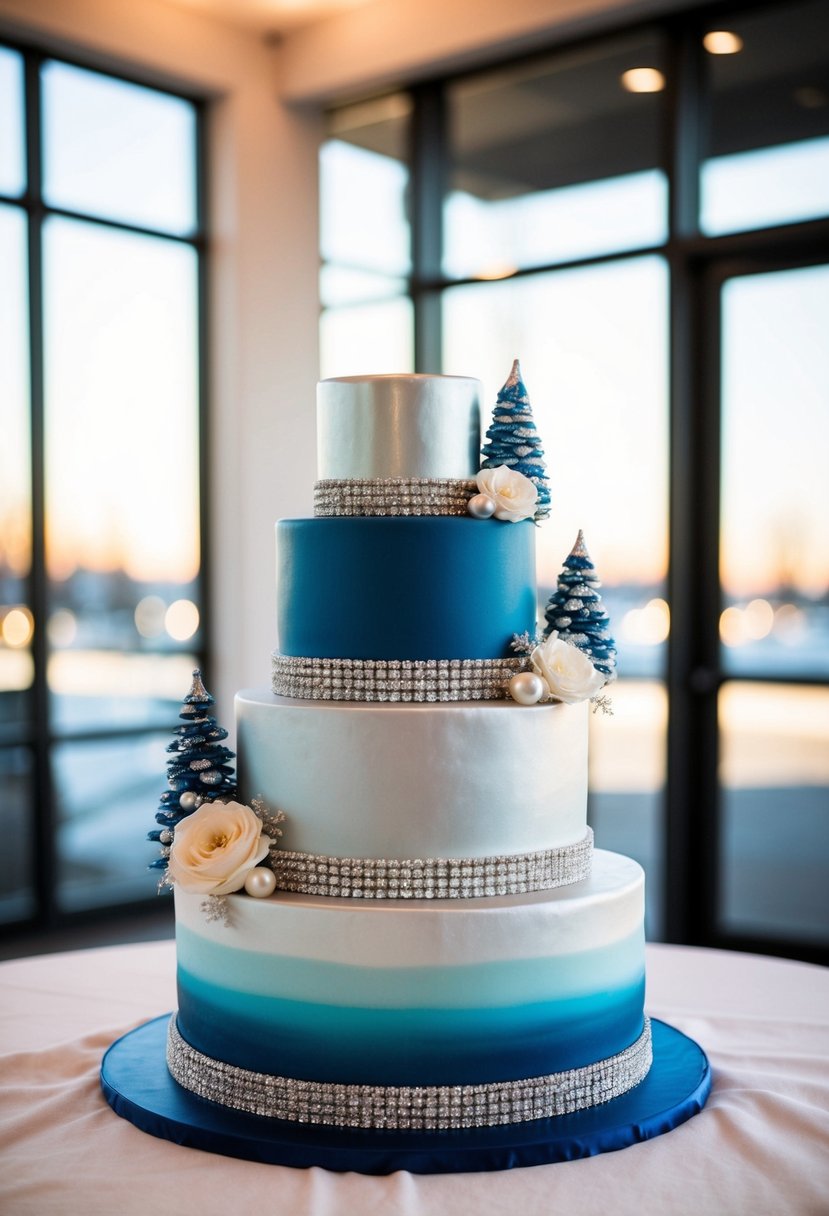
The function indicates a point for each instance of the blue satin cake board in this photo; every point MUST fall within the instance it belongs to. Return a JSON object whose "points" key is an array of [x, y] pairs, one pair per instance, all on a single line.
{"points": [[138, 1087]]}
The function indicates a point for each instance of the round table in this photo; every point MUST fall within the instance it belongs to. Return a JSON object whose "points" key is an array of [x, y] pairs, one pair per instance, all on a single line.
{"points": [[761, 1145]]}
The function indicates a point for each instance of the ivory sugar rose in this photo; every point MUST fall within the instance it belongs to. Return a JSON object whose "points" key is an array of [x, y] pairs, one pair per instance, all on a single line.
{"points": [[214, 849]]}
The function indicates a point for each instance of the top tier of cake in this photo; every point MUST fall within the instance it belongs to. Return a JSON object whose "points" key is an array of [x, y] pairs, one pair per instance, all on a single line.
{"points": [[398, 426]]}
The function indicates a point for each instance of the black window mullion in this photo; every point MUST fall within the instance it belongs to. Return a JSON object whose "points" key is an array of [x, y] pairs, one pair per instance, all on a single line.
{"points": [[36, 734], [44, 819], [429, 179], [690, 839], [203, 331]]}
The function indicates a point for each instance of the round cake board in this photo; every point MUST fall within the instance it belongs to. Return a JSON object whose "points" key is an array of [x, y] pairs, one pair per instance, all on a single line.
{"points": [[138, 1087]]}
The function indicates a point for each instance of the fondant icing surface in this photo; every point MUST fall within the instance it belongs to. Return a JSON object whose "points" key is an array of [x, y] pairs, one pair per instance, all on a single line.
{"points": [[464, 779], [398, 426], [404, 588], [388, 993]]}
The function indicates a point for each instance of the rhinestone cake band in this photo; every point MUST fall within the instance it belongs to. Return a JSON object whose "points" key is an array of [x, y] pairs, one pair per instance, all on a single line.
{"points": [[393, 496], [393, 679], [415, 1108], [433, 878]]}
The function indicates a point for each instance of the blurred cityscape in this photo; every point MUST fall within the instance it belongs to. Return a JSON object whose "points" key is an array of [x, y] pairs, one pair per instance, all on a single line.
{"points": [[120, 656]]}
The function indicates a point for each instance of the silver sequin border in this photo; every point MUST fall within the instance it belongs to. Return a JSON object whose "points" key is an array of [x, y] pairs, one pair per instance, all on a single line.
{"points": [[393, 496], [433, 877], [393, 679], [408, 1108]]}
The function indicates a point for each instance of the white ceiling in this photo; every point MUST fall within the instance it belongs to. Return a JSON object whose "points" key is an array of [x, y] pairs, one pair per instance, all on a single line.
{"points": [[270, 16]]}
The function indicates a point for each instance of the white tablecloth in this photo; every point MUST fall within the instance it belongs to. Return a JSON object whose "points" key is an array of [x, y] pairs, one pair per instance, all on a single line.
{"points": [[760, 1146]]}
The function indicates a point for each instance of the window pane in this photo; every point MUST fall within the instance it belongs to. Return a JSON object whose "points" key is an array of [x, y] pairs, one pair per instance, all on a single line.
{"points": [[15, 487], [775, 814], [775, 491], [107, 797], [117, 150], [370, 339], [12, 155], [768, 149], [122, 490], [364, 179], [627, 782], [17, 897], [593, 348], [554, 160], [340, 285]]}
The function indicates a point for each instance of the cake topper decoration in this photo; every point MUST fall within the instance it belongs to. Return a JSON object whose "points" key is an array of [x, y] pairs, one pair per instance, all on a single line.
{"points": [[210, 843], [199, 771], [512, 439], [554, 670], [576, 613], [504, 493]]}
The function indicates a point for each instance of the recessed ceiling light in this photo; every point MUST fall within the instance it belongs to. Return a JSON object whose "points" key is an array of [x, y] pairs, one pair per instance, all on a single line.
{"points": [[722, 42], [643, 80]]}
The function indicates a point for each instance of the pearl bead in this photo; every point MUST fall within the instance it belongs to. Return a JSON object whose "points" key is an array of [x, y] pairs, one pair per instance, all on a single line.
{"points": [[165, 836], [189, 800], [527, 688], [260, 882], [481, 507]]}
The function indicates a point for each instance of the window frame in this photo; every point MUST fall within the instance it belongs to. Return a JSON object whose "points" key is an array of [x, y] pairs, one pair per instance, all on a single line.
{"points": [[696, 265], [38, 737]]}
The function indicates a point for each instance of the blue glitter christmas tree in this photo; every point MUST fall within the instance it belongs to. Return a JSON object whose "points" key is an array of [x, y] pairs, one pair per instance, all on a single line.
{"points": [[576, 611], [513, 440], [199, 770]]}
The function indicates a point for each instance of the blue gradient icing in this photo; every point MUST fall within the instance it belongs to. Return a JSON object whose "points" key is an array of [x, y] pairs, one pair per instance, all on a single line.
{"points": [[404, 588], [505, 982], [406, 1046]]}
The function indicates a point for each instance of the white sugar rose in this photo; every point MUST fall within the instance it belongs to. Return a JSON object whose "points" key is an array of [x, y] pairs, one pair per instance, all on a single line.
{"points": [[514, 495], [215, 848], [566, 670]]}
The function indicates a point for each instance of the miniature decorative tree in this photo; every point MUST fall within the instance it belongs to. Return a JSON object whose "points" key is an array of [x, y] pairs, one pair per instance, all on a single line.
{"points": [[513, 440], [576, 612], [199, 770]]}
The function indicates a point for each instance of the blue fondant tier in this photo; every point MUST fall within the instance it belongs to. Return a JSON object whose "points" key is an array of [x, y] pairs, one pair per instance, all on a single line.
{"points": [[409, 1045], [404, 588]]}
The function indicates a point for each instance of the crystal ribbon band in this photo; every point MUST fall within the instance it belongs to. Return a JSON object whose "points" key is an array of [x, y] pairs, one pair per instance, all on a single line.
{"points": [[410, 1107], [433, 878], [393, 679], [393, 496]]}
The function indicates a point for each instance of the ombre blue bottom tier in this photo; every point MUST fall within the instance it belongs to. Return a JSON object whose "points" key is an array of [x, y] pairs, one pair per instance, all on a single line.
{"points": [[404, 588], [137, 1085], [406, 1046]]}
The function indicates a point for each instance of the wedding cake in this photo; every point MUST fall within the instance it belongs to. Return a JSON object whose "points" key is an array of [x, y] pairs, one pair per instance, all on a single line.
{"points": [[398, 921]]}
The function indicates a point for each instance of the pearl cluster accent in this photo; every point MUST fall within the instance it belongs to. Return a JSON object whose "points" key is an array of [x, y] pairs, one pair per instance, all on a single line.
{"points": [[408, 1107], [433, 878], [393, 496], [393, 679]]}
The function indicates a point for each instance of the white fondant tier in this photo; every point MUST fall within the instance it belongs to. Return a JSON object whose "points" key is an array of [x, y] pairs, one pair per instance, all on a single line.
{"points": [[395, 993], [398, 426], [461, 779]]}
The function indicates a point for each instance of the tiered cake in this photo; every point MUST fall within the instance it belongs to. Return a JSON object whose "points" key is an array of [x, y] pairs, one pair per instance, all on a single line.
{"points": [[443, 948]]}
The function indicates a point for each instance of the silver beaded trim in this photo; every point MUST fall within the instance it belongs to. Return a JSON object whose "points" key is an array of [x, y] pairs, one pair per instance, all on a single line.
{"points": [[393, 496], [393, 679], [433, 877], [408, 1107]]}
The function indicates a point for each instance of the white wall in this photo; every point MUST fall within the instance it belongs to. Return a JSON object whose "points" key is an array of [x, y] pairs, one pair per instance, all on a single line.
{"points": [[264, 310]]}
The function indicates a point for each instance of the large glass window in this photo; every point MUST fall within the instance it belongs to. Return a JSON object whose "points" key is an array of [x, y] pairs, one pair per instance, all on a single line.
{"points": [[555, 160], [367, 319], [562, 208], [774, 566], [767, 155], [774, 547], [100, 547]]}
